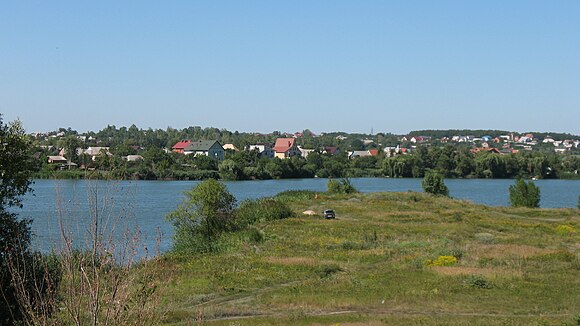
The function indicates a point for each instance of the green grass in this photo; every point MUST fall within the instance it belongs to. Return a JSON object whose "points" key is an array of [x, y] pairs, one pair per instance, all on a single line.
{"points": [[369, 267]]}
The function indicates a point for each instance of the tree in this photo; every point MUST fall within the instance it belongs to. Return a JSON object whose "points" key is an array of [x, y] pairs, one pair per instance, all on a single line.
{"points": [[16, 167], [433, 184], [524, 194], [206, 212], [70, 144]]}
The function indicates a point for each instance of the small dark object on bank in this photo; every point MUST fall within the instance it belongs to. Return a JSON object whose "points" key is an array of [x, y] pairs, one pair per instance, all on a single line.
{"points": [[329, 213]]}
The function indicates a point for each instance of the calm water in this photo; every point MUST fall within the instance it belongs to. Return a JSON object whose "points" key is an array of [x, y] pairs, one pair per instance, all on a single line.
{"points": [[141, 206]]}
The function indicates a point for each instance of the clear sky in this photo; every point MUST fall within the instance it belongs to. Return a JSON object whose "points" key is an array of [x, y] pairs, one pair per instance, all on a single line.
{"points": [[393, 66]]}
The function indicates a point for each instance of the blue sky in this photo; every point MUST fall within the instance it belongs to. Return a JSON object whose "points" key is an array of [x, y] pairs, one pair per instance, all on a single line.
{"points": [[393, 66]]}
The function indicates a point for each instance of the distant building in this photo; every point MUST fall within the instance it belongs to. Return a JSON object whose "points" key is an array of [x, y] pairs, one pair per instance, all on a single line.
{"points": [[211, 148], [133, 158], [180, 146], [265, 150], [57, 159], [286, 147], [230, 147]]}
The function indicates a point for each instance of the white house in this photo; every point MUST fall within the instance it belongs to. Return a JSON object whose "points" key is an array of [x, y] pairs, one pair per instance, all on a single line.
{"points": [[265, 150]]}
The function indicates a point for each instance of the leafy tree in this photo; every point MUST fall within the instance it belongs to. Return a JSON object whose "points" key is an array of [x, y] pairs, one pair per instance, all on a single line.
{"points": [[70, 144], [524, 194], [433, 184], [203, 216], [16, 167]]}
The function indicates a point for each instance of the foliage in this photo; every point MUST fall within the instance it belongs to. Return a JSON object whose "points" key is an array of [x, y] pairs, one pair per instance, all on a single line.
{"points": [[524, 194], [344, 186], [206, 212], [433, 184], [294, 195], [16, 168], [260, 210], [477, 281]]}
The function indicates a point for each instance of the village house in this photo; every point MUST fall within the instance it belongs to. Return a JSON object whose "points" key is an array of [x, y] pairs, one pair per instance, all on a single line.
{"points": [[210, 148], [231, 147], [353, 154], [180, 146], [305, 152], [54, 159], [332, 150], [286, 147], [133, 158], [265, 150], [94, 151], [485, 149]]}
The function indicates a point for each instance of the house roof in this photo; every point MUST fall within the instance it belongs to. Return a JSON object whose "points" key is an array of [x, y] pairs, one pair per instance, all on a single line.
{"points": [[359, 153], [182, 144], [331, 149], [485, 149], [230, 146], [201, 145], [56, 158], [374, 152], [283, 144]]}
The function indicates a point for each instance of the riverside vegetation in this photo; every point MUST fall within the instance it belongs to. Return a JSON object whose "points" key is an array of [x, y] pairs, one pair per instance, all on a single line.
{"points": [[388, 258]]}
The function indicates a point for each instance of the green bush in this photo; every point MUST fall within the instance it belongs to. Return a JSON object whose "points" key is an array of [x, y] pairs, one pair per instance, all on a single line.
{"points": [[343, 186], [259, 210], [203, 216], [524, 194], [433, 184], [477, 281]]}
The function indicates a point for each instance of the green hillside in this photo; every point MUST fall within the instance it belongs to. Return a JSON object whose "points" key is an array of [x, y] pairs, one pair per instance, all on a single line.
{"points": [[377, 263]]}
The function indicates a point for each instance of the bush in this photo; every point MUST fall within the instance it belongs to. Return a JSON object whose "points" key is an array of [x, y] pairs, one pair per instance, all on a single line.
{"points": [[343, 186], [477, 281], [433, 184], [203, 216], [524, 194], [259, 210]]}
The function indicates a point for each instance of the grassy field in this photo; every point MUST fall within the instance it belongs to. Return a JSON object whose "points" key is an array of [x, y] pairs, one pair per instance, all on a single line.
{"points": [[388, 258]]}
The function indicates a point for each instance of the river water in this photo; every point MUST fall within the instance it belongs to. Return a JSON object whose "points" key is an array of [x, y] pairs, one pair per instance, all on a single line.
{"points": [[141, 206]]}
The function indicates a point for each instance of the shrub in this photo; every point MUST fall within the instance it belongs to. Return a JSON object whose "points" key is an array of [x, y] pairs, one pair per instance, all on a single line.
{"points": [[433, 184], [524, 194], [259, 210], [203, 216], [344, 186], [477, 281]]}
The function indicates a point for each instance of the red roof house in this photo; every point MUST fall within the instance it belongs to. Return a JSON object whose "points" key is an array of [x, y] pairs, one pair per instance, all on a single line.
{"points": [[374, 152], [286, 147], [180, 146]]}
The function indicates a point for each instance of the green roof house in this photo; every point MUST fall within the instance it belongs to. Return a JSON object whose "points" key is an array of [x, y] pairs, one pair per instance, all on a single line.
{"points": [[211, 148]]}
